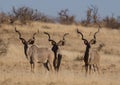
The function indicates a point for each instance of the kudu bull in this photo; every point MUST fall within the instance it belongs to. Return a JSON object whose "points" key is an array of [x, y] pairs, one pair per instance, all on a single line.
{"points": [[91, 56], [56, 50], [35, 54]]}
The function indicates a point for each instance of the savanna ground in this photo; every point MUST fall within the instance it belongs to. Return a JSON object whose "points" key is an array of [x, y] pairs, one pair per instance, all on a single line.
{"points": [[15, 69]]}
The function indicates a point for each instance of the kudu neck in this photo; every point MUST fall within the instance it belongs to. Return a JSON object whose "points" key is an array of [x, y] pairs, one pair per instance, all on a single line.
{"points": [[87, 48], [86, 55], [55, 50], [25, 49]]}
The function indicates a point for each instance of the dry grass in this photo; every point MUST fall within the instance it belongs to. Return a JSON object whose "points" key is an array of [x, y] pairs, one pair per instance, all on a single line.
{"points": [[15, 69]]}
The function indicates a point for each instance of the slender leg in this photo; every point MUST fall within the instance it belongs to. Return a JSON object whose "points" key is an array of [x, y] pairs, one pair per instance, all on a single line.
{"points": [[51, 67], [55, 60], [33, 67], [94, 67], [59, 61], [89, 69], [98, 69], [46, 65], [31, 63], [86, 68]]}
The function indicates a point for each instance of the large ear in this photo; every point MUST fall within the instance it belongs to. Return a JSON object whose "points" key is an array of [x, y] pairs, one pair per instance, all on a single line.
{"points": [[85, 41], [22, 39], [49, 39], [92, 41], [62, 42], [32, 40]]}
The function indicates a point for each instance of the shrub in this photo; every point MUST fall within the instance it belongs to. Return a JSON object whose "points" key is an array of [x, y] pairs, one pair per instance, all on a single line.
{"points": [[4, 18], [111, 22], [65, 18], [91, 16], [26, 14], [23, 14]]}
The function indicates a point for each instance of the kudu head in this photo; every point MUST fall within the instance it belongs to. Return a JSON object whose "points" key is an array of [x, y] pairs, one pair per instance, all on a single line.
{"points": [[56, 44], [92, 41], [25, 42]]}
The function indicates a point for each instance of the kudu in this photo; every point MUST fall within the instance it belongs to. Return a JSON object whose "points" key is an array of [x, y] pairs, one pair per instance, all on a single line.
{"points": [[56, 49], [35, 54], [91, 56]]}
